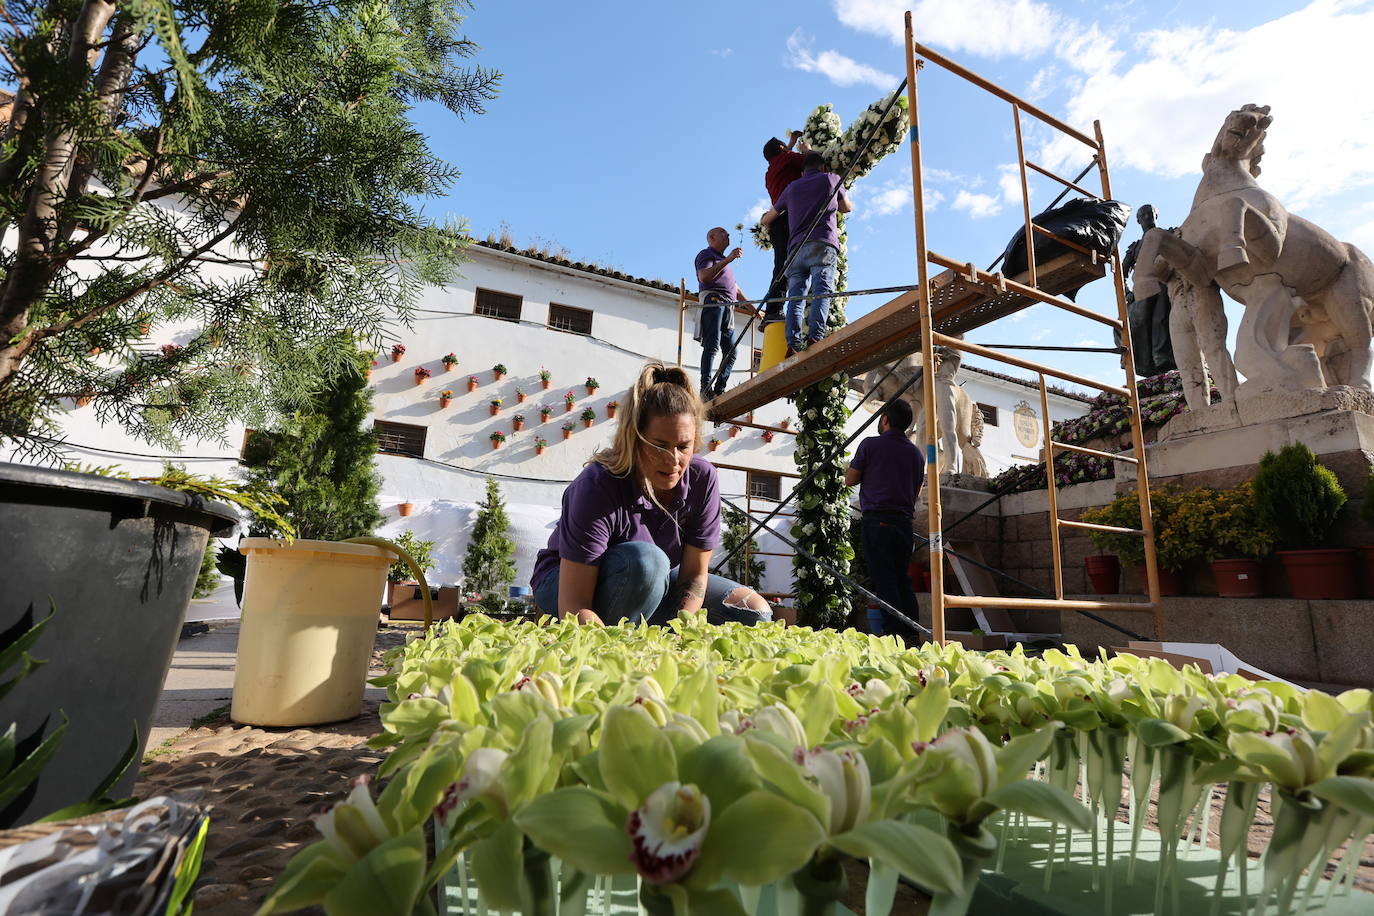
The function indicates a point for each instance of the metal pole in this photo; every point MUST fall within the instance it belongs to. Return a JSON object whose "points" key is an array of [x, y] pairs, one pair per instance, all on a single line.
{"points": [[937, 553], [1142, 477], [1025, 195], [681, 317], [1053, 490]]}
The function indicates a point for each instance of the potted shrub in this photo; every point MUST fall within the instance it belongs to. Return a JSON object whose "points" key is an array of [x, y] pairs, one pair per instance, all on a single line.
{"points": [[735, 431], [569, 401], [520, 395], [611, 408], [1230, 536], [397, 352], [421, 551], [588, 417], [1301, 499], [495, 406], [472, 383], [568, 429], [405, 510], [517, 422], [540, 443], [498, 371], [445, 397], [767, 435], [713, 444], [544, 413], [1172, 550], [450, 360], [592, 384], [421, 373], [497, 438], [545, 378]]}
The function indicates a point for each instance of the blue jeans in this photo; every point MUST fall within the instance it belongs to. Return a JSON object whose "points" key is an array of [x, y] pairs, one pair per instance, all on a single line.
{"points": [[635, 584], [717, 335], [818, 262]]}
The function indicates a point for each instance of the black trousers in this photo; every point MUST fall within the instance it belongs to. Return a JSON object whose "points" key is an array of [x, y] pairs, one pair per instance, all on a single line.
{"points": [[888, 544], [777, 234]]}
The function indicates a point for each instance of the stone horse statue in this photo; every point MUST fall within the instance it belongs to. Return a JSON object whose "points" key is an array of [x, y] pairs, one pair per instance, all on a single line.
{"points": [[1307, 296]]}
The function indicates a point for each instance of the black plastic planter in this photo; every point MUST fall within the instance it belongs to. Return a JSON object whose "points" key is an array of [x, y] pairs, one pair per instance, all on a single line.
{"points": [[118, 560]]}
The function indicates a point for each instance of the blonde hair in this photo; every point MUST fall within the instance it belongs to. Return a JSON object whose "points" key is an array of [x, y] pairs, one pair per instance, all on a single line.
{"points": [[659, 391]]}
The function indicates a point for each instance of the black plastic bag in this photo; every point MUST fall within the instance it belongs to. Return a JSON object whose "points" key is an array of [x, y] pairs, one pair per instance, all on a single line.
{"points": [[1095, 224]]}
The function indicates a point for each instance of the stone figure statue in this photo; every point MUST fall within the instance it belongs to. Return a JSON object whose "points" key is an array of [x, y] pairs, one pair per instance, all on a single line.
{"points": [[959, 422], [1151, 340], [1307, 296]]}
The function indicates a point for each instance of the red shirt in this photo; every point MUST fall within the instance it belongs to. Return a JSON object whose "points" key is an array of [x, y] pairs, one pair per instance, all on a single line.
{"points": [[783, 169]]}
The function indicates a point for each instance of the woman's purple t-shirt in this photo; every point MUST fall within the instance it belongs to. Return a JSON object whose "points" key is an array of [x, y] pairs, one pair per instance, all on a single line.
{"points": [[601, 510]]}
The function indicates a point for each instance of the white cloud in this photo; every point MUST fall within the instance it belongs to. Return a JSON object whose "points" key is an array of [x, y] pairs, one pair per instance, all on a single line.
{"points": [[760, 207], [1009, 180], [977, 205], [723, 52], [839, 69], [1039, 335], [1161, 113], [991, 27], [1089, 342]]}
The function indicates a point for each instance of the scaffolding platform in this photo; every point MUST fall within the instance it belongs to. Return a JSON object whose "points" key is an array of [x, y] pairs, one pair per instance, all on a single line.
{"points": [[958, 304]]}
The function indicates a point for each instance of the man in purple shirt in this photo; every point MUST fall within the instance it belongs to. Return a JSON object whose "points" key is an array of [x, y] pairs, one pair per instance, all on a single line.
{"points": [[889, 468], [811, 203], [717, 292]]}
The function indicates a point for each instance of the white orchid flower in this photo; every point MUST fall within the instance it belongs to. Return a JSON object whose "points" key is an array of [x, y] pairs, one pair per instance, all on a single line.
{"points": [[734, 722], [1288, 756], [481, 779], [354, 826], [844, 779], [667, 832], [781, 720]]}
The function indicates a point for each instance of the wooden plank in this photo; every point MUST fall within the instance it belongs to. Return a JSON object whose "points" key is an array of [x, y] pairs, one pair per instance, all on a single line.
{"points": [[892, 331]]}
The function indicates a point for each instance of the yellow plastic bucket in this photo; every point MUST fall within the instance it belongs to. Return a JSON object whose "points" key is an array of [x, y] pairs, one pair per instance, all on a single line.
{"points": [[774, 345], [310, 611]]}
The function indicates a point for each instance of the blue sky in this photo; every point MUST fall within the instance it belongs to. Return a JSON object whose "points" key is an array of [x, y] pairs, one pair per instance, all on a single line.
{"points": [[625, 130]]}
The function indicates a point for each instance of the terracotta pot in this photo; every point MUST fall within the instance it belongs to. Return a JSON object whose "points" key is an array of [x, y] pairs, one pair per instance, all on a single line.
{"points": [[1104, 572], [495, 409], [591, 391], [569, 405], [444, 402], [497, 375], [610, 412], [369, 375], [767, 435], [396, 357], [546, 383], [448, 367], [786, 424], [1320, 574], [404, 509], [83, 400], [518, 425], [544, 416], [1170, 582], [520, 397], [1368, 553], [588, 423], [713, 445], [496, 443], [420, 379], [734, 431], [567, 434], [1238, 578], [472, 385], [539, 449]]}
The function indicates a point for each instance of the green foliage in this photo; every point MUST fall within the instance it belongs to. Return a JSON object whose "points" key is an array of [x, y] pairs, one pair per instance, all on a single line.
{"points": [[248, 173], [252, 496], [422, 552], [208, 579], [321, 460], [491, 552], [1298, 496], [1174, 546], [1367, 506], [737, 525], [1222, 524]]}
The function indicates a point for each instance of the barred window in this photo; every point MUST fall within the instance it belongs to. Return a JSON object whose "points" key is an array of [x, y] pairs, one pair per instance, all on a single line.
{"points": [[989, 414], [757, 358], [400, 439], [497, 305], [572, 320], [765, 486]]}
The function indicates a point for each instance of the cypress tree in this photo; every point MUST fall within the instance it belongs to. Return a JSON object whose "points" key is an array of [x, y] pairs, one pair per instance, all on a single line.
{"points": [[489, 561], [737, 525], [322, 462]]}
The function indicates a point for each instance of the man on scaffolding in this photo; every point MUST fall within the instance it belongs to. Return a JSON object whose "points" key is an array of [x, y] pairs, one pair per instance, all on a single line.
{"points": [[717, 292], [888, 468], [784, 167], [813, 248]]}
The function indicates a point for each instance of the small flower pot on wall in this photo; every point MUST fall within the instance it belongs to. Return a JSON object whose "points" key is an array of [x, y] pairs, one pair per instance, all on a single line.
{"points": [[546, 383], [539, 449], [611, 409], [444, 402], [518, 424], [1238, 578], [405, 509], [713, 444], [767, 435], [520, 397], [567, 433], [1104, 573], [472, 383], [568, 406], [588, 423], [397, 352], [735, 431], [1320, 574], [495, 409], [498, 373]]}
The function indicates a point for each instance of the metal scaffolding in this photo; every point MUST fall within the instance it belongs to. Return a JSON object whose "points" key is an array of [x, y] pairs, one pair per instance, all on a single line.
{"points": [[961, 298]]}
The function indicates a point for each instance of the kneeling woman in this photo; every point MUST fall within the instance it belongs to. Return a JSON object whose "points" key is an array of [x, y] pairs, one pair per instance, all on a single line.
{"points": [[639, 523]]}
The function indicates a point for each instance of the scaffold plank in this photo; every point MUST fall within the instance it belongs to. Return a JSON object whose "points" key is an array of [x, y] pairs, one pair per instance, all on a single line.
{"points": [[891, 331]]}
